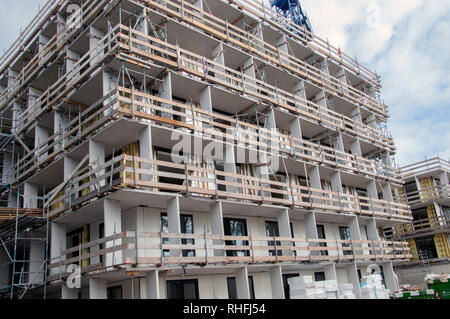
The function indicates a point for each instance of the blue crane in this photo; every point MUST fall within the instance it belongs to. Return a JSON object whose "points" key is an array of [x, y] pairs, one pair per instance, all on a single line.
{"points": [[292, 10]]}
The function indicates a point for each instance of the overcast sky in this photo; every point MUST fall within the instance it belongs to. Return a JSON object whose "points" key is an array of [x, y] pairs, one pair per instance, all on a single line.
{"points": [[406, 41]]}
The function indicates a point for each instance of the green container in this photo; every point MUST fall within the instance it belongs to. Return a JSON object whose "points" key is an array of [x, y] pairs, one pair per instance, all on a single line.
{"points": [[441, 286], [421, 294]]}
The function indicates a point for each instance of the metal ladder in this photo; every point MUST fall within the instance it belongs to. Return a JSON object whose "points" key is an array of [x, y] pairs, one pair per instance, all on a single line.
{"points": [[423, 256]]}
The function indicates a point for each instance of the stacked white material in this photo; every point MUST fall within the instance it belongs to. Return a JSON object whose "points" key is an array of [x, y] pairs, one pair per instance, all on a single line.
{"points": [[346, 291], [320, 290], [302, 287], [331, 289], [372, 287]]}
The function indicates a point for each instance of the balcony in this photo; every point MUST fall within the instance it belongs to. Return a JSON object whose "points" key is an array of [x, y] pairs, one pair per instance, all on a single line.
{"points": [[134, 249], [422, 227], [425, 195], [423, 167], [134, 172]]}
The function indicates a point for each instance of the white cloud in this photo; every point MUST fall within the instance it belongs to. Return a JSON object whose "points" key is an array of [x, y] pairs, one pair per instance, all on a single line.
{"points": [[410, 50]]}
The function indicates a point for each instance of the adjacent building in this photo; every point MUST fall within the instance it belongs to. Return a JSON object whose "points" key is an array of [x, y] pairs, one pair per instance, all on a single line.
{"points": [[426, 191]]}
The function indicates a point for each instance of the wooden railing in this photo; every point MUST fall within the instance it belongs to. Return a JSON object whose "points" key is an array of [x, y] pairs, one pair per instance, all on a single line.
{"points": [[132, 171], [141, 105], [424, 195], [429, 165], [134, 104], [195, 65], [8, 213], [435, 225], [89, 8], [191, 14], [67, 83], [160, 249]]}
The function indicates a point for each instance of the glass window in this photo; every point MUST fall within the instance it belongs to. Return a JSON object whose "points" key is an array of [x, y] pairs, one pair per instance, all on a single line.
{"points": [[292, 235], [232, 290], [235, 227], [319, 276], [182, 289], [286, 285], [273, 231], [321, 235], [187, 227], [114, 292], [344, 232]]}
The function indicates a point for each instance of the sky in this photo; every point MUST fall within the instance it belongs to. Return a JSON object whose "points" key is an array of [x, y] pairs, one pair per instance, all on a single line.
{"points": [[406, 41]]}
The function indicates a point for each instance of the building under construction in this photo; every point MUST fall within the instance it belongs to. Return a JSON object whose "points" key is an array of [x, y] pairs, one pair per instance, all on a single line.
{"points": [[288, 168], [427, 192]]}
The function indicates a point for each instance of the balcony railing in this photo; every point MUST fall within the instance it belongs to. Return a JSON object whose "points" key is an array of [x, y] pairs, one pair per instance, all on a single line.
{"points": [[429, 165], [150, 248], [131, 171], [134, 104], [424, 195], [244, 39], [33, 68], [436, 225]]}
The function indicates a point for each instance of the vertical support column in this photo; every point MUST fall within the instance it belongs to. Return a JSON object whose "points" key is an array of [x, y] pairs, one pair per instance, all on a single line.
{"points": [[230, 164], [299, 90], [58, 243], [146, 152], [242, 285], [59, 123], [152, 284], [217, 226], [69, 166], [355, 234], [371, 120], [276, 281], [295, 128], [372, 193], [72, 59], [41, 136], [321, 101], [36, 261], [95, 35], [445, 187], [372, 230], [282, 47], [330, 272], [43, 40], [284, 227], [94, 234], [30, 196], [166, 93], [205, 104], [17, 110], [5, 276], [68, 293], [336, 186], [97, 289], [389, 276], [113, 224], [7, 169], [219, 57], [96, 160], [248, 68], [173, 219], [314, 182], [352, 275]]}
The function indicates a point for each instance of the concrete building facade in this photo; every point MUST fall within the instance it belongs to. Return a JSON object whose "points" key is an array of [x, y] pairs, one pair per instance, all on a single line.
{"points": [[193, 149]]}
